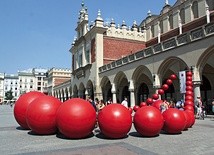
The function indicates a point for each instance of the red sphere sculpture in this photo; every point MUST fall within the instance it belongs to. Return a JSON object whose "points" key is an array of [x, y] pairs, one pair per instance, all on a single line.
{"points": [[130, 110], [155, 96], [189, 107], [149, 101], [174, 121], [143, 104], [169, 81], [189, 83], [188, 73], [157, 104], [165, 87], [135, 108], [189, 88], [189, 93], [189, 78], [188, 120], [115, 121], [160, 91], [76, 118], [188, 97], [41, 115], [189, 102], [148, 121], [20, 108], [191, 116], [173, 77]]}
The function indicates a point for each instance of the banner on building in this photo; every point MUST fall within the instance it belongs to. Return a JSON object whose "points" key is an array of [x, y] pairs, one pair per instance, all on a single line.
{"points": [[182, 78]]}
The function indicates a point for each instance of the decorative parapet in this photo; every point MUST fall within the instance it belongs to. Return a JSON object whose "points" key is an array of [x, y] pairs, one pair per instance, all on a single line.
{"points": [[185, 38]]}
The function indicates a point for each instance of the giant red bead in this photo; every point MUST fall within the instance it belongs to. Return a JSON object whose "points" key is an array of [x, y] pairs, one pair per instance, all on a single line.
{"points": [[136, 107], [142, 104], [189, 88], [174, 121], [165, 87], [189, 83], [41, 115], [173, 77], [155, 96], [188, 73], [148, 121], [189, 107], [157, 104], [189, 102], [149, 101], [192, 117], [115, 121], [189, 78], [21, 105], [76, 118], [188, 97], [160, 91], [169, 81]]}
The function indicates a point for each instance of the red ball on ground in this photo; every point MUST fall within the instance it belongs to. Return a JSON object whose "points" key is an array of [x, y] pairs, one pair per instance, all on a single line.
{"points": [[149, 101], [76, 118], [20, 108], [160, 91], [165, 87], [143, 104], [188, 120], [41, 115], [174, 121], [192, 117], [148, 121], [135, 108], [115, 121], [155, 96], [157, 104], [169, 81], [173, 77]]}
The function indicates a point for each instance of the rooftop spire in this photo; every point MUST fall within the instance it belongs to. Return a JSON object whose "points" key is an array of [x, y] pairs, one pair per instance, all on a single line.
{"points": [[99, 16], [166, 2]]}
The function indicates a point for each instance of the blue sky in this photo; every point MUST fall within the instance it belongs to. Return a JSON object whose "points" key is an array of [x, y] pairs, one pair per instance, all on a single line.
{"points": [[39, 33]]}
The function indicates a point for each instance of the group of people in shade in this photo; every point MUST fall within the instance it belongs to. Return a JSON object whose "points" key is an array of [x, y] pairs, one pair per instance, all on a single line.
{"points": [[100, 104]]}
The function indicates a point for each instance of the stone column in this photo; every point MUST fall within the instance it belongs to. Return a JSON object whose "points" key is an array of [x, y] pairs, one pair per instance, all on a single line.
{"points": [[196, 83], [113, 90], [131, 89]]}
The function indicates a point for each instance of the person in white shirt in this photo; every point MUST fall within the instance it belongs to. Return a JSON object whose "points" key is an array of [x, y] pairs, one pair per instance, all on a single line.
{"points": [[125, 102]]}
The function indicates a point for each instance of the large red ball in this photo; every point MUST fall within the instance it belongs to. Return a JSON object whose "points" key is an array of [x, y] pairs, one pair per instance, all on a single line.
{"points": [[188, 120], [188, 97], [76, 118], [157, 104], [189, 107], [189, 93], [189, 78], [148, 121], [189, 83], [188, 102], [41, 115], [20, 108], [192, 117], [189, 88], [115, 121], [174, 121]]}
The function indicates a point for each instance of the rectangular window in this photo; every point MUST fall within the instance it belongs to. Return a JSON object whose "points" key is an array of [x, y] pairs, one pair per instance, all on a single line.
{"points": [[80, 60], [87, 56]]}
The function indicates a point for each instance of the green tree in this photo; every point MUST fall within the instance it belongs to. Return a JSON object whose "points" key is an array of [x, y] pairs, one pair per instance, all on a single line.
{"points": [[9, 95]]}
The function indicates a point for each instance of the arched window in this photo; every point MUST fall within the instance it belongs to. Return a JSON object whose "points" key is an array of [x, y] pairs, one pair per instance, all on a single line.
{"points": [[182, 16], [170, 22], [195, 9]]}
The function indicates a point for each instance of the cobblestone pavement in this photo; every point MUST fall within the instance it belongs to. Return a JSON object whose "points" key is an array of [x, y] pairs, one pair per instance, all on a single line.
{"points": [[197, 140]]}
